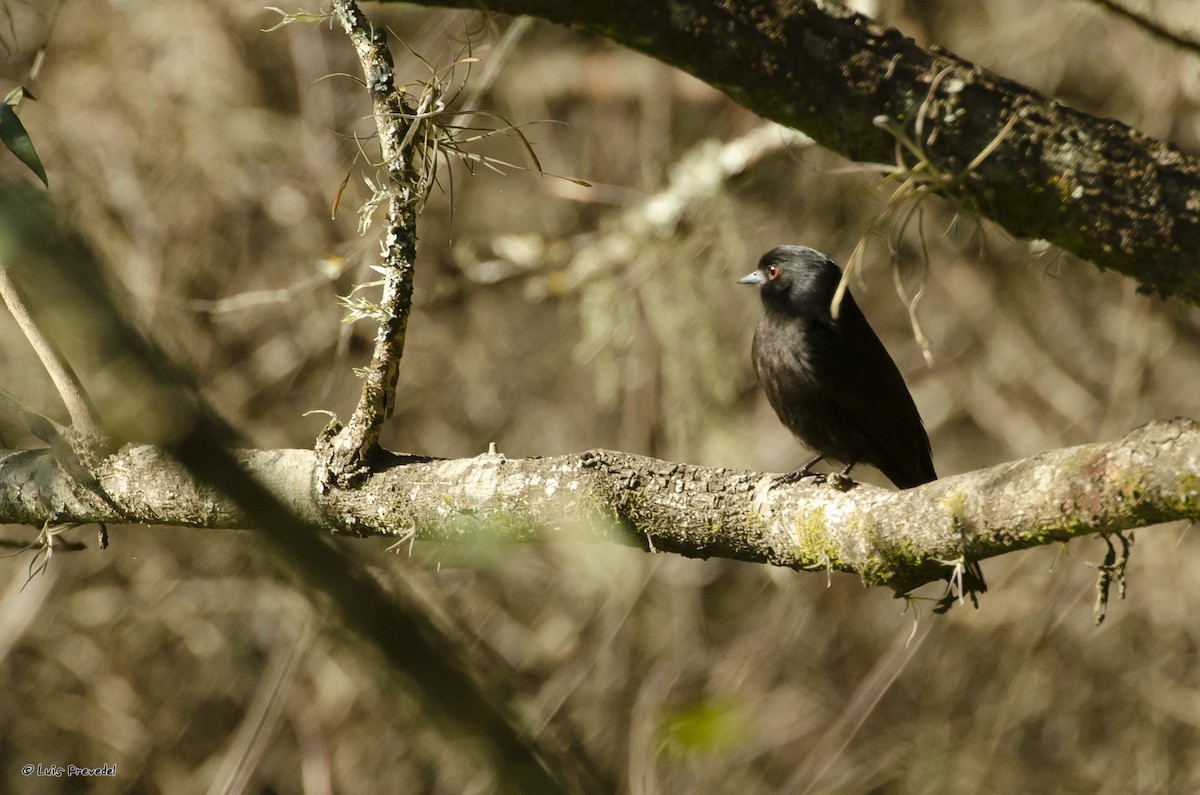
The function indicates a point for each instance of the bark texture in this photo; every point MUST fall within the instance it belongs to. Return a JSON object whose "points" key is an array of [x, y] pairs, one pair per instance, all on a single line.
{"points": [[346, 451], [897, 539], [1093, 186]]}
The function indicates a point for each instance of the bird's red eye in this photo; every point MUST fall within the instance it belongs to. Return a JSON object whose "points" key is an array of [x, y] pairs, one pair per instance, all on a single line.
{"points": [[772, 271]]}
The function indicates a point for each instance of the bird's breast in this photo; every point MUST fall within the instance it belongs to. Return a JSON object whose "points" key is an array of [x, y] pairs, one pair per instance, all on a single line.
{"points": [[787, 369]]}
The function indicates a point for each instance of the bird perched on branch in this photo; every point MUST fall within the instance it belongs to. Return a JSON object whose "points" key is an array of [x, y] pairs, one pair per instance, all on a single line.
{"points": [[830, 379]]}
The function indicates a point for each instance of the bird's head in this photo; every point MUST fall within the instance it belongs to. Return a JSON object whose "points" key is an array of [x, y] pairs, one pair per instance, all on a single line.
{"points": [[796, 278]]}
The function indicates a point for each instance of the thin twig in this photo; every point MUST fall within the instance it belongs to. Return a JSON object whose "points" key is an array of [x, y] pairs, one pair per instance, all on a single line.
{"points": [[79, 405], [348, 450], [1151, 26]]}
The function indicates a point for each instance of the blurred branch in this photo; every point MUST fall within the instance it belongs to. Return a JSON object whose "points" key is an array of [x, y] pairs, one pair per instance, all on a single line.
{"points": [[145, 396], [567, 266], [74, 397], [1095, 187], [1150, 25], [63, 443], [346, 452], [898, 539]]}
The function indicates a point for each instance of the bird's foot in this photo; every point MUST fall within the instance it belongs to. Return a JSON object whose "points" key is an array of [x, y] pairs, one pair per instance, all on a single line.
{"points": [[841, 481], [797, 476]]}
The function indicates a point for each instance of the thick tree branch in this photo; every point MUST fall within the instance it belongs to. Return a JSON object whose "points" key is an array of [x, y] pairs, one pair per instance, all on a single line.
{"points": [[898, 539], [1095, 187]]}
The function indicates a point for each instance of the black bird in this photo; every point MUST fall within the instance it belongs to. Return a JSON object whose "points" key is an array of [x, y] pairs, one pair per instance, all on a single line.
{"points": [[830, 380]]}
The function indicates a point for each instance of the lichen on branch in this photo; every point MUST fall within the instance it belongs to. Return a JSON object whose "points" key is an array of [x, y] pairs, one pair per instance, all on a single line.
{"points": [[347, 451]]}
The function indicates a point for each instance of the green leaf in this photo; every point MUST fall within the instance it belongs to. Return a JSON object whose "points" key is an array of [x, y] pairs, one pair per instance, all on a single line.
{"points": [[13, 134], [708, 728]]}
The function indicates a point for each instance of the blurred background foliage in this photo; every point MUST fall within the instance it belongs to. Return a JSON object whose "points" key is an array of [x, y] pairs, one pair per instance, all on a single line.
{"points": [[202, 156]]}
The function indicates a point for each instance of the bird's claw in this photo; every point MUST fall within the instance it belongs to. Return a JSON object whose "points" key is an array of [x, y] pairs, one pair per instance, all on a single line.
{"points": [[841, 481], [838, 480], [797, 476]]}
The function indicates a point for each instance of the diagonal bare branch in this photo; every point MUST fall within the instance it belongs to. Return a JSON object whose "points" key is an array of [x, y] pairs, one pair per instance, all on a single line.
{"points": [[1151, 25]]}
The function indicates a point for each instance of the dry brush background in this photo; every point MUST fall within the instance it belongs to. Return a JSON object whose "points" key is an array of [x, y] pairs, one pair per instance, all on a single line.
{"points": [[202, 155]]}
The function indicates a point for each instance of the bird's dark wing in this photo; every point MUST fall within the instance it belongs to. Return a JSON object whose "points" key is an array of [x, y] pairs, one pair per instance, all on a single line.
{"points": [[867, 385]]}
